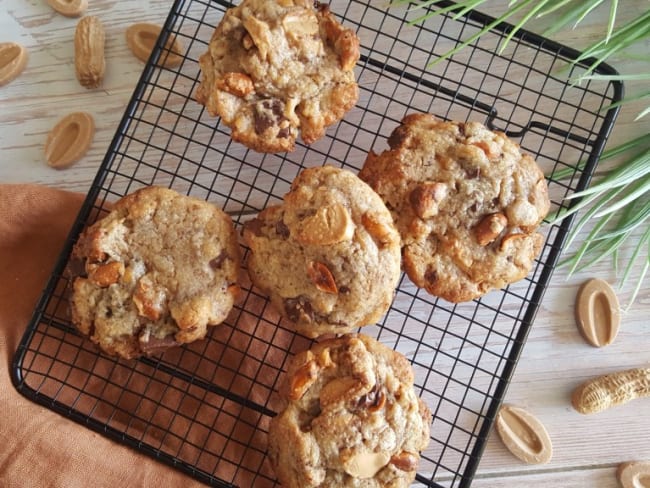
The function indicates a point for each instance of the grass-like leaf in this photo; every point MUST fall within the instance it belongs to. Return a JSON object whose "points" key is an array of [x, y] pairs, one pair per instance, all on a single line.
{"points": [[637, 218], [634, 192], [466, 6], [640, 142], [634, 31], [619, 212], [644, 271], [625, 173]]}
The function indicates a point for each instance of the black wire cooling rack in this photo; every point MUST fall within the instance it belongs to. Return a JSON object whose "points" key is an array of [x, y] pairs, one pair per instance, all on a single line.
{"points": [[205, 408]]}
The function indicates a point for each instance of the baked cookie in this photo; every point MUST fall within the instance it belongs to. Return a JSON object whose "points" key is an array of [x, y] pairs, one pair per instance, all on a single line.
{"points": [[466, 201], [350, 418], [329, 256], [154, 272], [275, 68]]}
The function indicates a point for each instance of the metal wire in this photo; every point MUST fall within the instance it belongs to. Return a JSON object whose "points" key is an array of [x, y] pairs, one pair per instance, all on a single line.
{"points": [[204, 408]]}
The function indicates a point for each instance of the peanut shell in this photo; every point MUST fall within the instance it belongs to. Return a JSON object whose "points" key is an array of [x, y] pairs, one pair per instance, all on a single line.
{"points": [[524, 435], [610, 390], [597, 312], [13, 59], [89, 61], [69, 139]]}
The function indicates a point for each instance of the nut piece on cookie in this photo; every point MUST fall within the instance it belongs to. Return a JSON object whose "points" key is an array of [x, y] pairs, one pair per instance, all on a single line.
{"points": [[329, 225], [466, 201], [156, 271], [425, 198], [329, 256], [489, 228], [278, 69], [350, 417]]}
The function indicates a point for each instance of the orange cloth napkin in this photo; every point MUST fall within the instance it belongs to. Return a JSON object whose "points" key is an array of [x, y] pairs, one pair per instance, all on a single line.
{"points": [[37, 446]]}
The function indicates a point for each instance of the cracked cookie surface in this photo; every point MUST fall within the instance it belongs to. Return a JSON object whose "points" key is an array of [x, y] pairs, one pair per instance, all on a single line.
{"points": [[154, 272], [350, 418], [466, 201], [329, 256], [277, 69]]}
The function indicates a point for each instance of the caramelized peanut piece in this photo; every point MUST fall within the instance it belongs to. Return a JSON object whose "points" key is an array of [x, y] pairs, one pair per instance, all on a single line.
{"points": [[524, 435], [301, 28], [426, 197], [489, 228], [379, 231], [302, 379], [405, 461], [337, 389], [511, 241], [260, 34], [322, 277], [149, 299], [329, 225], [522, 213], [239, 84], [104, 275], [490, 149], [597, 312], [344, 41], [366, 464], [247, 41]]}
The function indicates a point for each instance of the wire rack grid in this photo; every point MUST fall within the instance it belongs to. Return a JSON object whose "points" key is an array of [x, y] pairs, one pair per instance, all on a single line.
{"points": [[205, 408]]}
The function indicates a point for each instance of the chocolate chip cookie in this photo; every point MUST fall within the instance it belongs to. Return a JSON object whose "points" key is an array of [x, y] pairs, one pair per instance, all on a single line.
{"points": [[350, 418], [278, 68], [329, 256], [466, 201], [154, 272]]}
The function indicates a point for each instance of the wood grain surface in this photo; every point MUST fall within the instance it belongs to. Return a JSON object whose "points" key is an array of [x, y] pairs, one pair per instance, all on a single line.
{"points": [[555, 359]]}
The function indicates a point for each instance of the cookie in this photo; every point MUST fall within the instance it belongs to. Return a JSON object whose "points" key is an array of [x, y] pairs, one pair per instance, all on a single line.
{"points": [[466, 201], [275, 69], [350, 418], [329, 256], [154, 272]]}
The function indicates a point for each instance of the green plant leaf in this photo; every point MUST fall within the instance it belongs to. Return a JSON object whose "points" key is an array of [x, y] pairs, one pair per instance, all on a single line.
{"points": [[625, 173], [633, 192]]}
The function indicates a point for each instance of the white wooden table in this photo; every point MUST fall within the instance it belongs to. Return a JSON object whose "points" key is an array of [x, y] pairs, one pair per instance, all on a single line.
{"points": [[587, 449]]}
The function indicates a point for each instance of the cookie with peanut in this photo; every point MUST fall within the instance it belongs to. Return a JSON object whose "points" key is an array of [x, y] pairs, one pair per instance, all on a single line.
{"points": [[328, 256], [278, 69], [467, 202], [155, 272], [350, 417]]}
